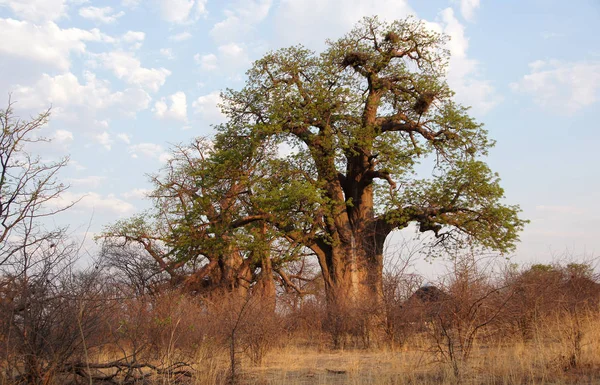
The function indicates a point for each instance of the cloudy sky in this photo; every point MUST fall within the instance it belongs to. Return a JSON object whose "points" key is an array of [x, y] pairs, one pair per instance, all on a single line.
{"points": [[127, 79]]}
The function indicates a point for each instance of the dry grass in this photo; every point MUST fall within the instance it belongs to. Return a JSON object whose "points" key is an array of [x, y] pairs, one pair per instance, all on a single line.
{"points": [[516, 364], [544, 360], [180, 330]]}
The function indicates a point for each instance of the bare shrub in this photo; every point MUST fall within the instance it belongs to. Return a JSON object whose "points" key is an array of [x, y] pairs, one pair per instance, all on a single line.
{"points": [[536, 290], [246, 325], [27, 186], [397, 289], [553, 301], [468, 304], [51, 316], [304, 323]]}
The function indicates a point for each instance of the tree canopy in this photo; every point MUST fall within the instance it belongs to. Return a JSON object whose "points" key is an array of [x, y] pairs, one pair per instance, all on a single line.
{"points": [[360, 116], [320, 153]]}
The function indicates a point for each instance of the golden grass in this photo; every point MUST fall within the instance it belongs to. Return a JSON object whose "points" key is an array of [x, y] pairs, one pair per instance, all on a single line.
{"points": [[516, 364], [544, 360]]}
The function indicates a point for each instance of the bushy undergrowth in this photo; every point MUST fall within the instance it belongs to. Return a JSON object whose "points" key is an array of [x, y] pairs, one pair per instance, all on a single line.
{"points": [[534, 325]]}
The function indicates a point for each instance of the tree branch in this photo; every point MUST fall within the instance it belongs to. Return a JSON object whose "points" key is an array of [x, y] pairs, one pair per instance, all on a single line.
{"points": [[288, 282], [375, 174]]}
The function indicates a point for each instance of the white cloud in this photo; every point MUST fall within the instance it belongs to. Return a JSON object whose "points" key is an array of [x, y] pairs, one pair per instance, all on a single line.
{"points": [[180, 36], [37, 10], [137, 193], [101, 123], [127, 67], [463, 72], [62, 136], [61, 140], [148, 150], [130, 3], [65, 92], [130, 101], [467, 8], [165, 157], [75, 164], [551, 35], [104, 140], [167, 53], [124, 137], [182, 11], [241, 19], [133, 36], [93, 201], [135, 39], [46, 43], [564, 87], [233, 52], [231, 58], [208, 62], [92, 181], [104, 15], [207, 107], [295, 19], [176, 111], [560, 209]]}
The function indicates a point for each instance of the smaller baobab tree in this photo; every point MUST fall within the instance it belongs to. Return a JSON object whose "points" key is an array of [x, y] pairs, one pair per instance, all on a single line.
{"points": [[204, 231], [187, 235]]}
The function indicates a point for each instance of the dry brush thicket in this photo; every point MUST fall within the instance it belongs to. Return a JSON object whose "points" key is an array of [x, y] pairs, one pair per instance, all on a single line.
{"points": [[481, 323]]}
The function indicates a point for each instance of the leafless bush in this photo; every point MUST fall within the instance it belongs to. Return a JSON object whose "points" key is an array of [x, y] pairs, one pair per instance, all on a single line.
{"points": [[27, 186], [51, 314], [245, 325], [132, 267], [397, 289], [467, 304], [304, 323], [535, 292], [352, 324]]}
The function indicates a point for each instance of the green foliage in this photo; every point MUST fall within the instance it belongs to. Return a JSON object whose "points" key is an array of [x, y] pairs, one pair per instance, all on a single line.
{"points": [[580, 270], [360, 116], [542, 268], [355, 121]]}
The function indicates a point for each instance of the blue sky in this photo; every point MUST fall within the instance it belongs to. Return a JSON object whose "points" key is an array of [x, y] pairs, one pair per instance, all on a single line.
{"points": [[126, 79]]}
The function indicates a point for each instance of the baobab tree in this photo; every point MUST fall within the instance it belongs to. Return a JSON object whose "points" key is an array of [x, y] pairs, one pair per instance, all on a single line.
{"points": [[202, 231], [359, 117]]}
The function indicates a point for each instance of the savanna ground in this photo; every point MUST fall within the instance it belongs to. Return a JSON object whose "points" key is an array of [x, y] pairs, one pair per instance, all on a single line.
{"points": [[537, 362], [543, 360], [534, 325]]}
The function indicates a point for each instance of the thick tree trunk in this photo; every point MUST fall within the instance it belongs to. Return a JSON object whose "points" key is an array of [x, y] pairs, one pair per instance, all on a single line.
{"points": [[352, 264], [354, 257], [354, 287], [353, 272], [235, 274]]}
